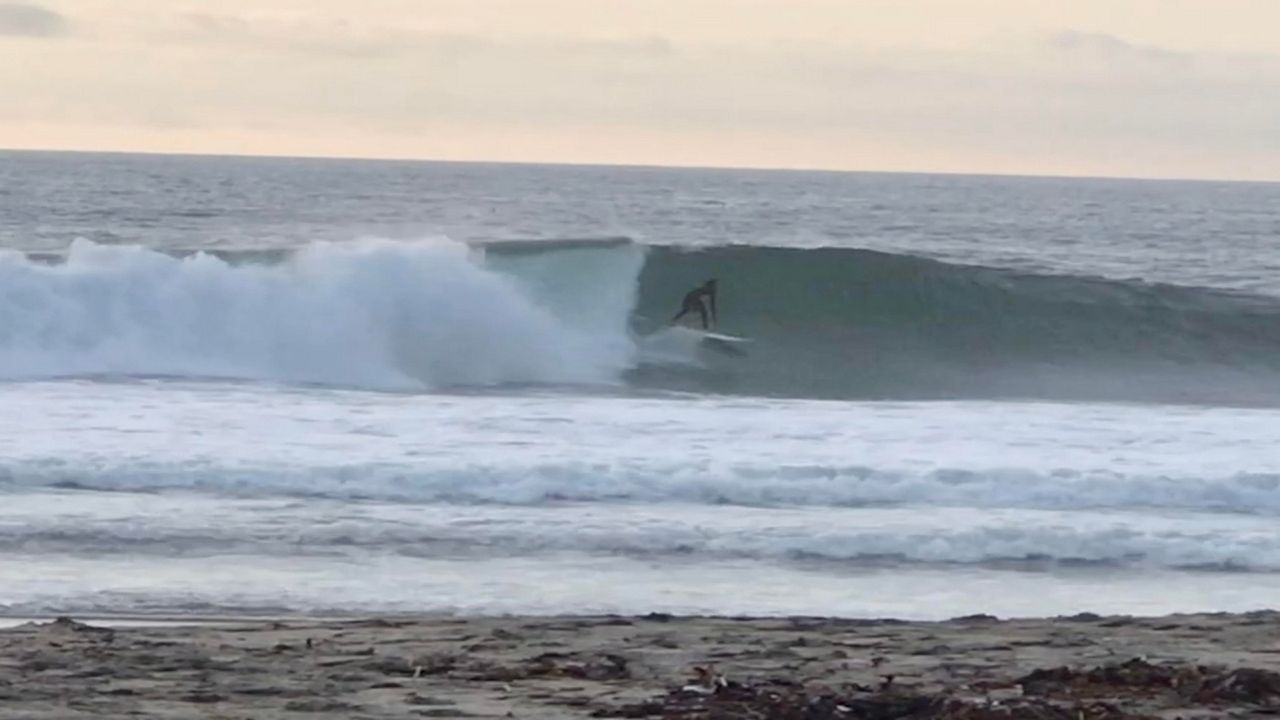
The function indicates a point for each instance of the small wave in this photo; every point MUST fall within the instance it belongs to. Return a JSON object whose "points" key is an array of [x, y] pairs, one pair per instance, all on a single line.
{"points": [[673, 481], [1025, 541]]}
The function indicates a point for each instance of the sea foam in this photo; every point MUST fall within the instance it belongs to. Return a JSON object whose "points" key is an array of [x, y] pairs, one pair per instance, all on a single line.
{"points": [[369, 313]]}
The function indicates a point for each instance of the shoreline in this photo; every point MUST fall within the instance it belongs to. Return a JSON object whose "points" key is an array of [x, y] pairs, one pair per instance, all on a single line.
{"points": [[412, 666], [117, 620]]}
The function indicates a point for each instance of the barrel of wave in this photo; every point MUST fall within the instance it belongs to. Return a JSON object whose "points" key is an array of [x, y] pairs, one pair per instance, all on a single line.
{"points": [[845, 323]]}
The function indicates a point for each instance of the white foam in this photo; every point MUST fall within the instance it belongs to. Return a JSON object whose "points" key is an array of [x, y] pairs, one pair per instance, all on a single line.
{"points": [[46, 585], [248, 440], [655, 481], [370, 313], [192, 525], [505, 486]]}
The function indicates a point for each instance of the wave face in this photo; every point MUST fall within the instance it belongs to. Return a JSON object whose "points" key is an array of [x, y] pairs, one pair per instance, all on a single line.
{"points": [[842, 323], [371, 313], [825, 322]]}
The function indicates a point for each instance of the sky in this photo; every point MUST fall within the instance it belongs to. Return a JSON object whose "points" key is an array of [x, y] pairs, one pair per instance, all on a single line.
{"points": [[1131, 88]]}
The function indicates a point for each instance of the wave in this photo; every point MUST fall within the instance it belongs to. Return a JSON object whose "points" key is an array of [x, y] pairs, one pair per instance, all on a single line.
{"points": [[670, 481], [825, 322], [373, 313], [1016, 548], [1026, 540], [847, 323]]}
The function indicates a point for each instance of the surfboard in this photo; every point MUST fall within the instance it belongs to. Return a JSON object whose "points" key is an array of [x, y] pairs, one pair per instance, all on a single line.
{"points": [[727, 344], [720, 342], [707, 335], [722, 337]]}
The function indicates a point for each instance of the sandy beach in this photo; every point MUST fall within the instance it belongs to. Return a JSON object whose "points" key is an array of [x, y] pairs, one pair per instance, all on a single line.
{"points": [[1086, 666]]}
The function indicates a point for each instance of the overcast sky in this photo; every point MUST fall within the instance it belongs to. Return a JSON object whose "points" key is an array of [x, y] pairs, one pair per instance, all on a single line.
{"points": [[1152, 88]]}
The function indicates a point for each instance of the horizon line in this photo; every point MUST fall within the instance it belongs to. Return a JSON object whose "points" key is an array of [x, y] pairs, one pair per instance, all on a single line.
{"points": [[638, 166]]}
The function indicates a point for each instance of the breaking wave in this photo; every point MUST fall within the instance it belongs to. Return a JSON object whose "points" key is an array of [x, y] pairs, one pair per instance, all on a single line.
{"points": [[824, 322], [373, 313], [664, 482], [1018, 521], [990, 540], [842, 323]]}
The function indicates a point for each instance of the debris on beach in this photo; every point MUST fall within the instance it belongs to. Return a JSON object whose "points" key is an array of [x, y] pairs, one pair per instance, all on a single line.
{"points": [[66, 626], [1202, 667], [1198, 684], [1133, 690], [706, 682]]}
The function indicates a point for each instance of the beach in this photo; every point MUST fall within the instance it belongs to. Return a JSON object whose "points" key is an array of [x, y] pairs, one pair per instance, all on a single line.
{"points": [[1202, 665]]}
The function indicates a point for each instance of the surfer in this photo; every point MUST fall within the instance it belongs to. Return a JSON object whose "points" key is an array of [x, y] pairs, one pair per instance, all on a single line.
{"points": [[698, 300]]}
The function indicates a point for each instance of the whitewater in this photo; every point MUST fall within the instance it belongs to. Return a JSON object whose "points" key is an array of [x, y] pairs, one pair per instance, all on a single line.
{"points": [[366, 314], [278, 386]]}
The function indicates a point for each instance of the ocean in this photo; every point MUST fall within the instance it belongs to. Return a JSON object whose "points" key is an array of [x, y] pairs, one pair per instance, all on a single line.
{"points": [[273, 386]]}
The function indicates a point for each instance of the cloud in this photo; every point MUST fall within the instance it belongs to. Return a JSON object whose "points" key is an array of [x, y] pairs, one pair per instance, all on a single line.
{"points": [[26, 20], [1068, 97], [353, 39], [333, 37], [644, 46], [1108, 49]]}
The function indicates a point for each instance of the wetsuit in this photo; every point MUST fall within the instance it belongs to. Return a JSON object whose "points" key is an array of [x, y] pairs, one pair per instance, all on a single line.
{"points": [[697, 300]]}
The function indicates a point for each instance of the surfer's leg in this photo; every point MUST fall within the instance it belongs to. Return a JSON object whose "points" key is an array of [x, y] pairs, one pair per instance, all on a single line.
{"points": [[702, 313], [689, 305]]}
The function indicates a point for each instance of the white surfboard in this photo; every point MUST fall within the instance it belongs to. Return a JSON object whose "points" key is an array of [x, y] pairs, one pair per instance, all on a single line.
{"points": [[722, 337], [709, 335], [719, 342]]}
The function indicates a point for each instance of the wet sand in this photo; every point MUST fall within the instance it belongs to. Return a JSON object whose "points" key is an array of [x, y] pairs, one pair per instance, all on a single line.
{"points": [[1090, 667]]}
